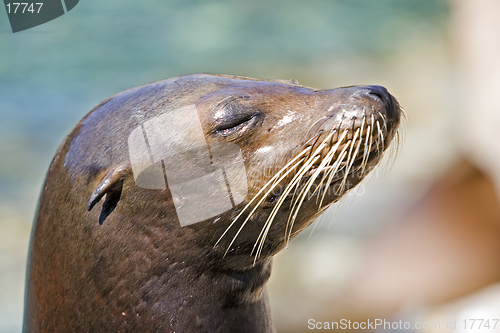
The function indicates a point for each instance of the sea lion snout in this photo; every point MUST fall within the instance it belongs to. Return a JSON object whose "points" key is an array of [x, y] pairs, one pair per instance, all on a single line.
{"points": [[361, 108]]}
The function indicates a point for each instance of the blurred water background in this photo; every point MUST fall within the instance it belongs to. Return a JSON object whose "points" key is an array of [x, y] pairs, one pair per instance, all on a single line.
{"points": [[52, 75]]}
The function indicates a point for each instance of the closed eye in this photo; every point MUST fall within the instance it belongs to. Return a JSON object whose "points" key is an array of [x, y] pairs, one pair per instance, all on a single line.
{"points": [[237, 125]]}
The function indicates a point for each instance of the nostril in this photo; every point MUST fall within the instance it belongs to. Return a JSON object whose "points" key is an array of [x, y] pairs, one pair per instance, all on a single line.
{"points": [[378, 92], [378, 95]]}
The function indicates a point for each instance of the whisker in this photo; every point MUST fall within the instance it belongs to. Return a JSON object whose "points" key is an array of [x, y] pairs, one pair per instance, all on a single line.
{"points": [[267, 225], [261, 191], [335, 166], [307, 165], [257, 206], [328, 158], [350, 159], [276, 207], [367, 149], [381, 136], [302, 196], [333, 172], [384, 120]]}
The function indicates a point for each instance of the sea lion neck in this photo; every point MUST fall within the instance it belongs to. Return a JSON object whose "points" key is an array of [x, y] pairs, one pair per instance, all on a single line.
{"points": [[186, 282]]}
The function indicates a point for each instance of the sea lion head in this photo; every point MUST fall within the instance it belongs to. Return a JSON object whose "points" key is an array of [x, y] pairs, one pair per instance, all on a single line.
{"points": [[245, 164]]}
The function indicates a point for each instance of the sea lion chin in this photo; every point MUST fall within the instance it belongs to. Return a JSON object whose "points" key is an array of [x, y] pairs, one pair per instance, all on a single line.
{"points": [[162, 209]]}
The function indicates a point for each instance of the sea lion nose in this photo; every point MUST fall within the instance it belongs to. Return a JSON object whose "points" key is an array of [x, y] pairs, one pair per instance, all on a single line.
{"points": [[380, 94], [377, 92]]}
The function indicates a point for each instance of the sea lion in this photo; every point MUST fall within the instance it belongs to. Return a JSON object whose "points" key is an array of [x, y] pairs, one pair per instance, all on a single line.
{"points": [[162, 209]]}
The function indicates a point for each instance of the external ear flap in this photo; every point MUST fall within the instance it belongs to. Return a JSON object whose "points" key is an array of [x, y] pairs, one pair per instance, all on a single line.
{"points": [[111, 186]]}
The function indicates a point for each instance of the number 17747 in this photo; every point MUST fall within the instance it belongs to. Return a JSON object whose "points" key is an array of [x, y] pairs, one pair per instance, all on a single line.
{"points": [[30, 9]]}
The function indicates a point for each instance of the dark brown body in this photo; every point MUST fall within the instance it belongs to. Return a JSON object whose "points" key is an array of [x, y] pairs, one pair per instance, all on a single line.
{"points": [[127, 265]]}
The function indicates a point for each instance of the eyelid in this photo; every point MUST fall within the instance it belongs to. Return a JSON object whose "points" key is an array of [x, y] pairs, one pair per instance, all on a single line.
{"points": [[233, 116], [233, 127]]}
